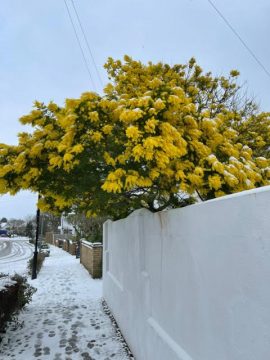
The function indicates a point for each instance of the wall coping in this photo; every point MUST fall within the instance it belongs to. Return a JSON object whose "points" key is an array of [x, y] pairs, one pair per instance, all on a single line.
{"points": [[91, 245]]}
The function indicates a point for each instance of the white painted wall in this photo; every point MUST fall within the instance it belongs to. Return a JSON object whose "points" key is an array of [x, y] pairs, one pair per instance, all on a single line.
{"points": [[193, 283]]}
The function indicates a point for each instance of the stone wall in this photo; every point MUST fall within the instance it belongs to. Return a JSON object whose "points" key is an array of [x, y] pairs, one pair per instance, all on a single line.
{"points": [[91, 258]]}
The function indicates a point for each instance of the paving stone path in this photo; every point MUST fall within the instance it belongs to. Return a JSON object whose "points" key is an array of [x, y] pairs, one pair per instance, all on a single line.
{"points": [[65, 319]]}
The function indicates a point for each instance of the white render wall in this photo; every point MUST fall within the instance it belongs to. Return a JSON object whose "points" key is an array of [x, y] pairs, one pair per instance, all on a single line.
{"points": [[193, 283]]}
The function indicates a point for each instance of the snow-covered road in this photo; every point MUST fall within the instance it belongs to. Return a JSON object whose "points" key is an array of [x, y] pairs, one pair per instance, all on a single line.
{"points": [[14, 254], [65, 320]]}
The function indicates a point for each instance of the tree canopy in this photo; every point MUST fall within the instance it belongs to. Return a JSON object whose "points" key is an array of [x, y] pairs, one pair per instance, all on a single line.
{"points": [[158, 135]]}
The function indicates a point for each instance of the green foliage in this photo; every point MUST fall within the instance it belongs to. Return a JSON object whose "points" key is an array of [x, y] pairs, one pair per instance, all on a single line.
{"points": [[29, 230], [14, 298], [85, 227], [25, 290], [40, 260]]}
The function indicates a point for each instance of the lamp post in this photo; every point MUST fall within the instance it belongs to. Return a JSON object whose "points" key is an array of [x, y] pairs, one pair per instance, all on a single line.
{"points": [[34, 268]]}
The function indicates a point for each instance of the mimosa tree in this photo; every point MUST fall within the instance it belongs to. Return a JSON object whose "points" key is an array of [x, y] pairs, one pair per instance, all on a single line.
{"points": [[159, 135]]}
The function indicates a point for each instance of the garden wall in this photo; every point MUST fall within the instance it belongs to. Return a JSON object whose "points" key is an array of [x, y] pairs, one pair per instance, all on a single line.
{"points": [[69, 246], [91, 258], [193, 283], [72, 248]]}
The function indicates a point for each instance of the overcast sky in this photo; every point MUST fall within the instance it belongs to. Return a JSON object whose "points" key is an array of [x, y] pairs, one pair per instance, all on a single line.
{"points": [[40, 58]]}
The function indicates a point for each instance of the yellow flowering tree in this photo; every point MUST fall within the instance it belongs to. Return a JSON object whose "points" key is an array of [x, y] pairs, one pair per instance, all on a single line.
{"points": [[156, 137]]}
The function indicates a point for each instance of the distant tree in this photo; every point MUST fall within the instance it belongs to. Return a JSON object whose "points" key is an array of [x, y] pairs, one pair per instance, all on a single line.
{"points": [[3, 220], [49, 222], [88, 228], [16, 226], [29, 229]]}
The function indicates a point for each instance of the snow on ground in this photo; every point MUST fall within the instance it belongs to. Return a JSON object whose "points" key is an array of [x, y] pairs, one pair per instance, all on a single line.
{"points": [[14, 255], [6, 281], [65, 319]]}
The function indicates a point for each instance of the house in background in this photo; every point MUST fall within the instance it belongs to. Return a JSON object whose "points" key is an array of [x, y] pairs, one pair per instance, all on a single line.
{"points": [[66, 227]]}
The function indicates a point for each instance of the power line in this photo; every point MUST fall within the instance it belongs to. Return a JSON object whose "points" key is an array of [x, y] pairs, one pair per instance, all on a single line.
{"points": [[239, 38], [80, 45], [87, 43]]}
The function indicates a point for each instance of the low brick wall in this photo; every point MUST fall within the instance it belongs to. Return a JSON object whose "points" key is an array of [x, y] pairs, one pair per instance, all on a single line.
{"points": [[91, 258], [69, 246], [72, 248], [65, 245]]}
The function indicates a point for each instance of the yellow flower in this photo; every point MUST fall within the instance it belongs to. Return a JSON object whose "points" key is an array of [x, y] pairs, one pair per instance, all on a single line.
{"points": [[230, 179], [113, 182], [67, 120], [96, 136], [43, 206], [195, 179], [3, 151], [180, 175], [201, 149], [93, 116], [144, 182], [174, 100], [162, 159], [107, 129], [3, 186], [5, 169], [199, 171], [56, 161], [131, 181], [159, 104], [262, 162], [138, 152], [214, 182], [108, 159], [122, 159], [133, 132], [52, 107], [219, 193], [218, 167], [61, 147], [77, 149], [71, 103], [154, 174], [150, 125], [144, 101], [129, 116], [152, 142], [68, 157], [155, 83], [90, 96]]}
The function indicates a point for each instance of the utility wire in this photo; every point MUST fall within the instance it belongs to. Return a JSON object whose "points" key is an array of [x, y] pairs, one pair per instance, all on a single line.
{"points": [[80, 45], [239, 38], [87, 43]]}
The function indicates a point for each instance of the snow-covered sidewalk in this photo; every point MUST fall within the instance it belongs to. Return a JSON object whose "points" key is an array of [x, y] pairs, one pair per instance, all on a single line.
{"points": [[65, 319]]}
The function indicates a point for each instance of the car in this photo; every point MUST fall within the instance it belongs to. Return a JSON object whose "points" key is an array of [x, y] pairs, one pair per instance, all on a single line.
{"points": [[4, 233], [44, 249]]}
